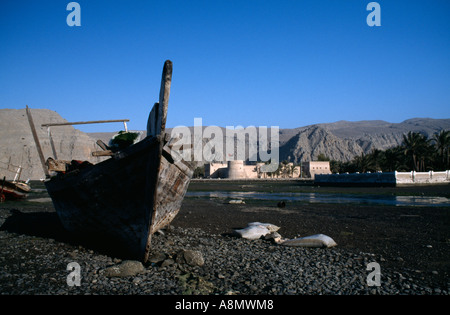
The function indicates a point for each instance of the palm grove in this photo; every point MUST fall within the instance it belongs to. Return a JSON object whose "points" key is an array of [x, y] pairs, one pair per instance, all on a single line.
{"points": [[417, 152]]}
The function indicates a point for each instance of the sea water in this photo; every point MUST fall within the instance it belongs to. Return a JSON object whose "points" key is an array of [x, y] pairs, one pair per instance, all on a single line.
{"points": [[338, 198]]}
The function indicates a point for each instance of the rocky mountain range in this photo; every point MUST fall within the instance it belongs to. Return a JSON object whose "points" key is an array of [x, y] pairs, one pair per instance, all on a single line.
{"points": [[343, 140], [340, 140]]}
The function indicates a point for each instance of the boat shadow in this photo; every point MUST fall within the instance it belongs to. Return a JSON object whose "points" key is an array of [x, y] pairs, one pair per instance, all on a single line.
{"points": [[48, 226]]}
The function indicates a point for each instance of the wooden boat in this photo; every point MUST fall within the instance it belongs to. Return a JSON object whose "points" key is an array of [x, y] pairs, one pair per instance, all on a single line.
{"points": [[128, 197], [13, 190]]}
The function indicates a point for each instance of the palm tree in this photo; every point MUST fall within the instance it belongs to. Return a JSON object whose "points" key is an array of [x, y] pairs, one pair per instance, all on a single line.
{"points": [[322, 157], [336, 166], [292, 170], [392, 159], [442, 144], [416, 145], [363, 163], [376, 158]]}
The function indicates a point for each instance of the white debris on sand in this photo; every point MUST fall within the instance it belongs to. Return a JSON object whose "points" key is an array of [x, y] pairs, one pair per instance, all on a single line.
{"points": [[236, 201], [271, 227], [268, 231], [256, 230], [316, 240]]}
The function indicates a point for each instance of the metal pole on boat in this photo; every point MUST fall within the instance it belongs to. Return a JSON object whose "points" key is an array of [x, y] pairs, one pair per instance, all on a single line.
{"points": [[85, 122], [36, 141], [17, 176]]}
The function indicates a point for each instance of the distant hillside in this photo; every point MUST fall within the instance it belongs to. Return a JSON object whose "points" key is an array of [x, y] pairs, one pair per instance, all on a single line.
{"points": [[308, 143], [343, 140], [340, 140]]}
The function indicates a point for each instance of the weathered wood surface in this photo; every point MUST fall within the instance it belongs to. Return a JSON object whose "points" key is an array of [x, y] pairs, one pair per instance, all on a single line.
{"points": [[102, 145], [103, 153], [36, 141], [110, 200], [57, 165], [157, 118], [174, 178], [123, 200], [52, 143]]}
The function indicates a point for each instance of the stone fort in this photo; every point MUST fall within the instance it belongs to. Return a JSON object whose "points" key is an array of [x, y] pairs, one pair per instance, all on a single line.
{"points": [[239, 170]]}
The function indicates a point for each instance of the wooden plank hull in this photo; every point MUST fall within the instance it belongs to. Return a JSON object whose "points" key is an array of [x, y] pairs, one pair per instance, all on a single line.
{"points": [[13, 190], [124, 200], [12, 194]]}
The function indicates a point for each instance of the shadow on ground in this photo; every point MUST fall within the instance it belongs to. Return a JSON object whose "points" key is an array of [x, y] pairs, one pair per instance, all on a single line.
{"points": [[47, 225]]}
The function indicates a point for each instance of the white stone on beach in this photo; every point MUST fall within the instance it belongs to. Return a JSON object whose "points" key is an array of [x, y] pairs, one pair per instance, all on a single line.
{"points": [[237, 201], [275, 236], [252, 232], [255, 230], [316, 240], [125, 269], [271, 227]]}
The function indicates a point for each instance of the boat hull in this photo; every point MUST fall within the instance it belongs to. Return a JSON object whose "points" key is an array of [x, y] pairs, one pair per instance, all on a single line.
{"points": [[122, 201], [12, 194], [13, 191]]}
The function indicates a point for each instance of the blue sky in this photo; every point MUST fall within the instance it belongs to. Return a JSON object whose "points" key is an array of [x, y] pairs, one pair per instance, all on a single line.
{"points": [[236, 62]]}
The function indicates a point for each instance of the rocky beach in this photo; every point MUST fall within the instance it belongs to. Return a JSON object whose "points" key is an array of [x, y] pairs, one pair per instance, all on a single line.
{"points": [[198, 253]]}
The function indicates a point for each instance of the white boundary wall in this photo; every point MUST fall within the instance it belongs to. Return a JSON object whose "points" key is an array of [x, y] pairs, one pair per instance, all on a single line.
{"points": [[386, 178], [422, 177]]}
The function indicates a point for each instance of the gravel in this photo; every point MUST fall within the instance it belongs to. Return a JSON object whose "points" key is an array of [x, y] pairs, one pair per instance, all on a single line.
{"points": [[192, 261]]}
